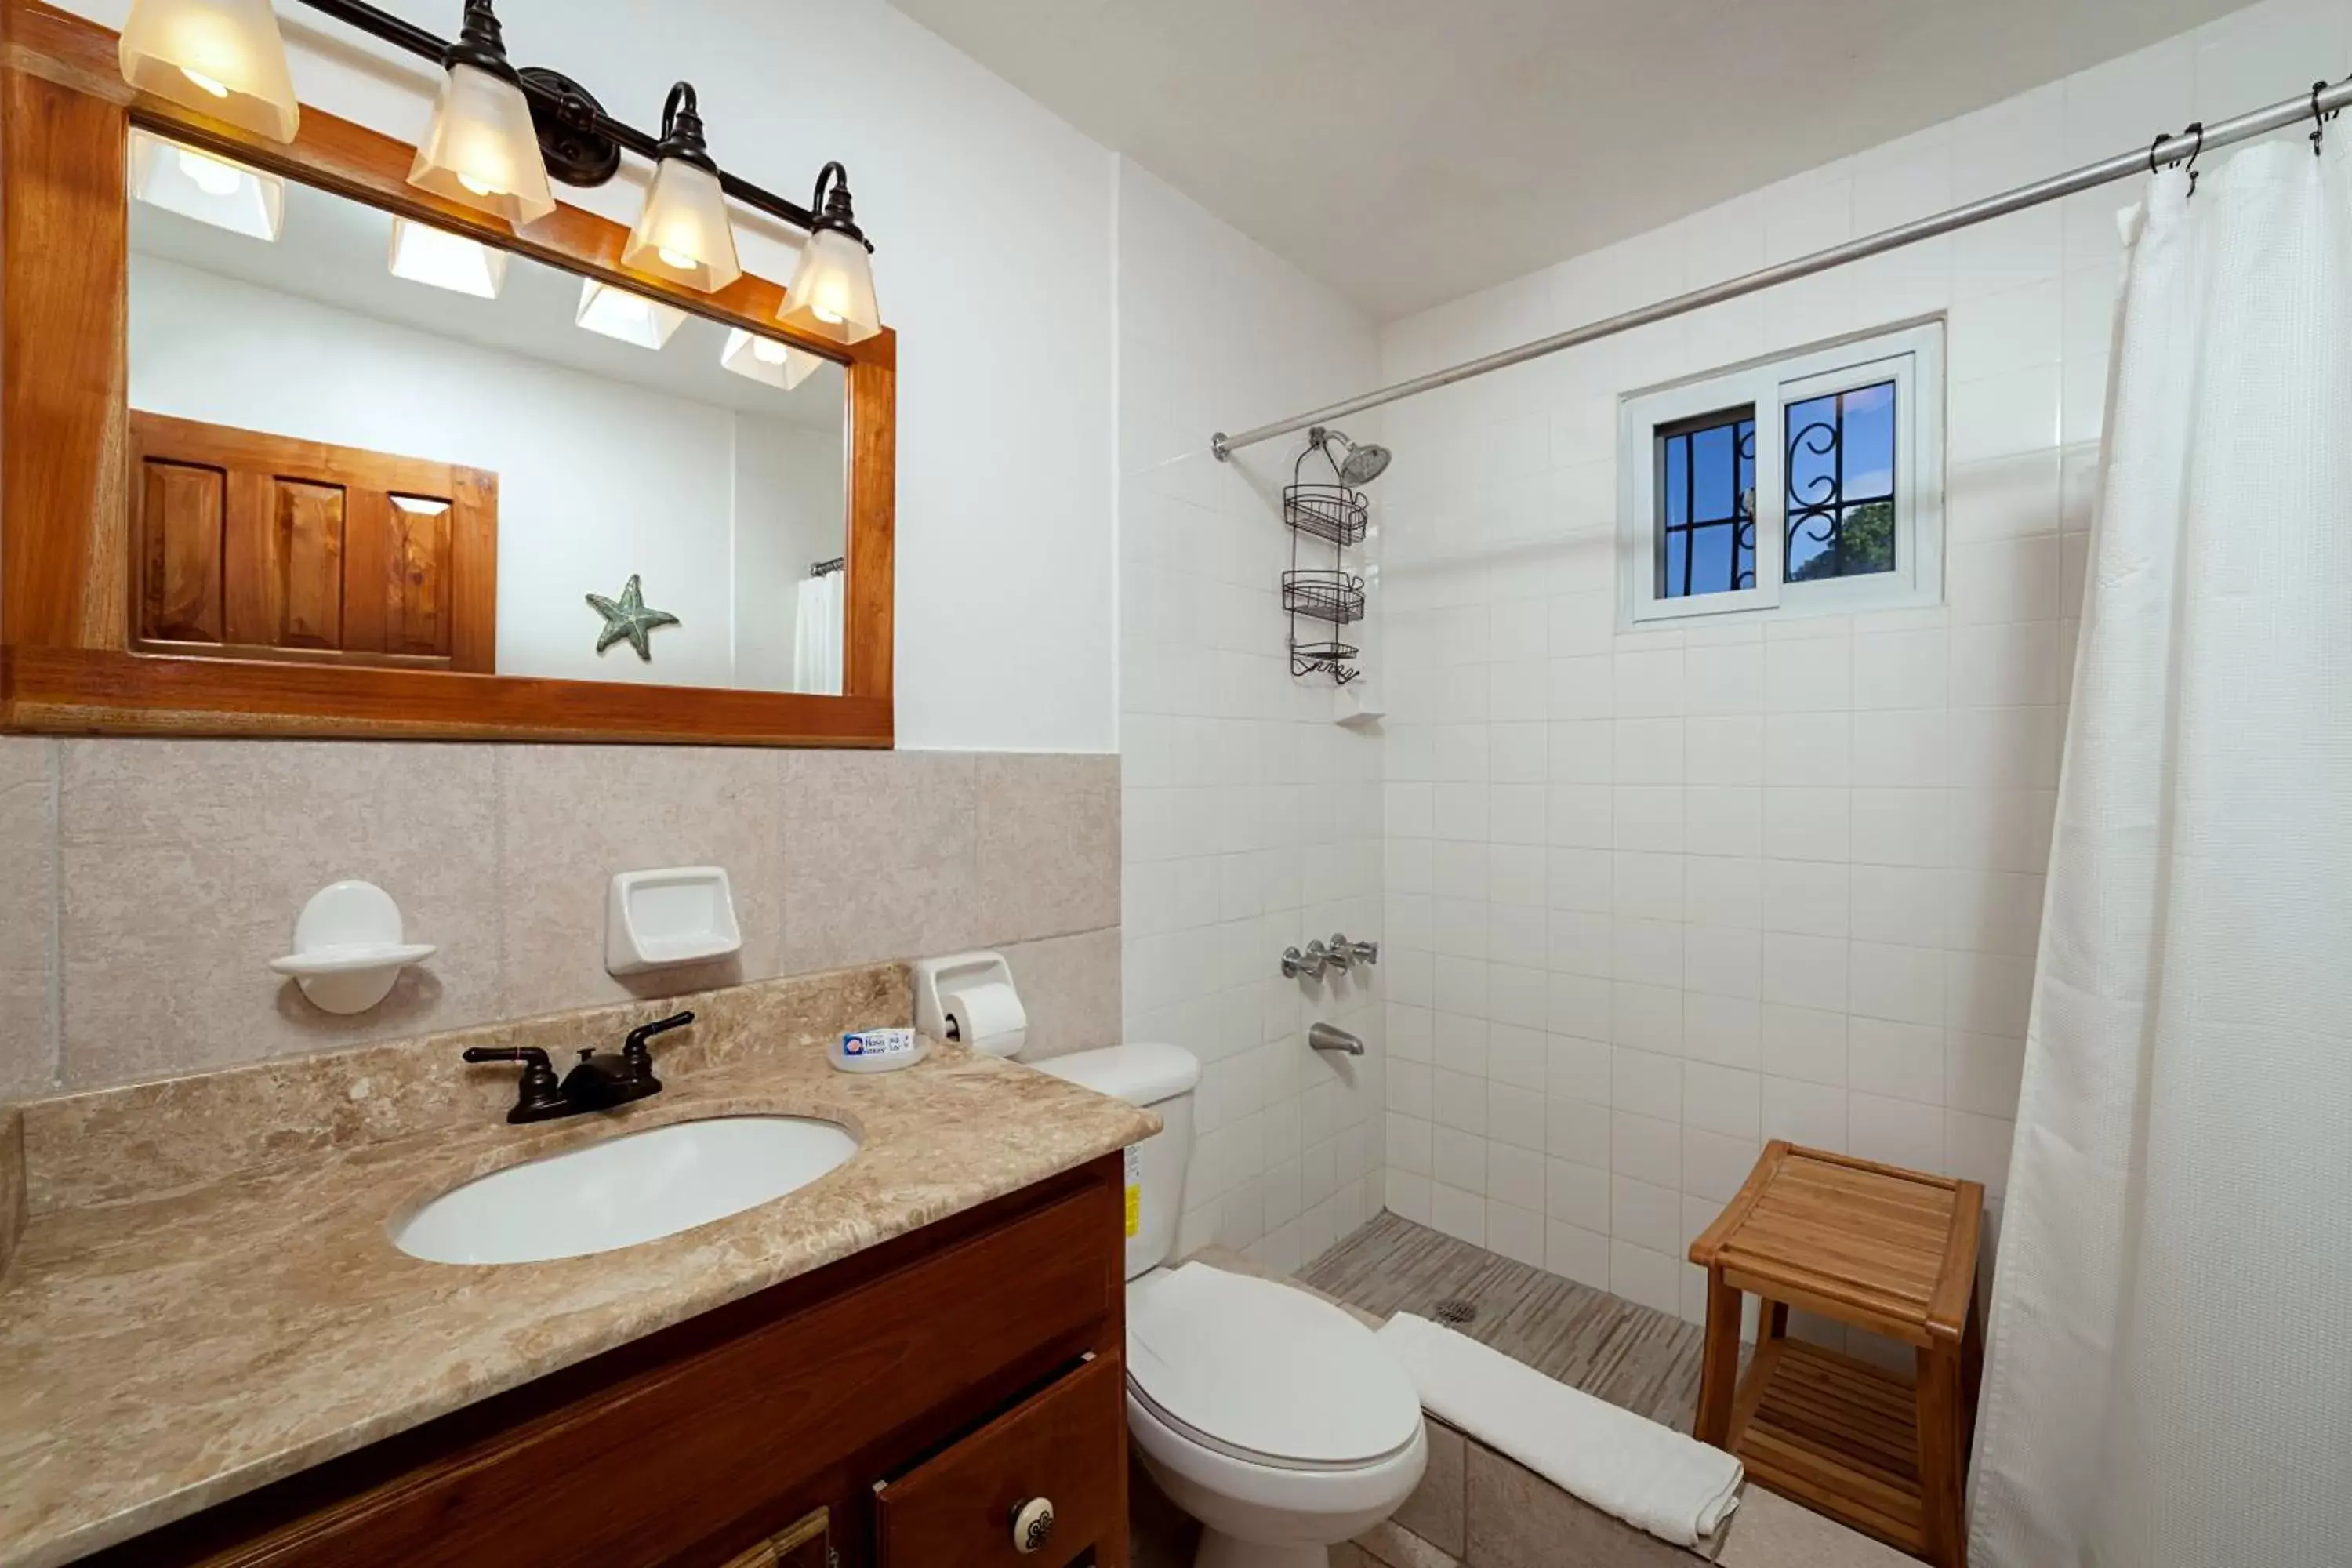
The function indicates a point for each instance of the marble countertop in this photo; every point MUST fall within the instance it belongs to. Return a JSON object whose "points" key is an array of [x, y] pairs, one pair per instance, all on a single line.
{"points": [[162, 1354]]}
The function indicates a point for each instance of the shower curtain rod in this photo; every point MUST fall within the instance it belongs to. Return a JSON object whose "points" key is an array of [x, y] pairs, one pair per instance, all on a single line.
{"points": [[2319, 103]]}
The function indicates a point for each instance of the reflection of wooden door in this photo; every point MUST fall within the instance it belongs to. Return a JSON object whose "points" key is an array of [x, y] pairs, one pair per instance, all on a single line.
{"points": [[255, 546]]}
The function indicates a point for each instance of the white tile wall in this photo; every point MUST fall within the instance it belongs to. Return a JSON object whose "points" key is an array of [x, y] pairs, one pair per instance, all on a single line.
{"points": [[1253, 821], [1655, 898]]}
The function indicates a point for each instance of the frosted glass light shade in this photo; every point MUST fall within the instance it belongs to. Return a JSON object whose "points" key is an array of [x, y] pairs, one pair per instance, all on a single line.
{"points": [[223, 58], [832, 291], [481, 149], [423, 254], [206, 186], [767, 360], [631, 318], [684, 234]]}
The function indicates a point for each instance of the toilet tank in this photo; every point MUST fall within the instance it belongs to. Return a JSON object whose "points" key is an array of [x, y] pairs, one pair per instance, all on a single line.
{"points": [[1160, 1079]]}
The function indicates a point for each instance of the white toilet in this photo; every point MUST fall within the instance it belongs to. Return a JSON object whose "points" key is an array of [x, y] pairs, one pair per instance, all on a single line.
{"points": [[1272, 1417]]}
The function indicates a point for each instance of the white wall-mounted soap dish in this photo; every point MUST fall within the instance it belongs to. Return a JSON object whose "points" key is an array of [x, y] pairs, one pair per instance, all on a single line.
{"points": [[1357, 705], [349, 948], [681, 914]]}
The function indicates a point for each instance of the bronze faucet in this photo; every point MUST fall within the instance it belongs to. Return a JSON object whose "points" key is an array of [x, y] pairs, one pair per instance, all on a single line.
{"points": [[595, 1083]]}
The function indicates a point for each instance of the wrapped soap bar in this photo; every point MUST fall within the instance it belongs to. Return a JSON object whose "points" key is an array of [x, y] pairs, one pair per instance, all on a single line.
{"points": [[877, 1050]]}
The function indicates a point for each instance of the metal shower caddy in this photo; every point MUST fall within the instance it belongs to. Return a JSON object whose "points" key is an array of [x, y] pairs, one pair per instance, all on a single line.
{"points": [[1336, 513]]}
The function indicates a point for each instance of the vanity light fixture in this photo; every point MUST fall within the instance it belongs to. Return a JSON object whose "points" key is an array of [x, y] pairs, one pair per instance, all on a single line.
{"points": [[206, 186], [482, 149], [684, 234], [631, 318], [769, 360], [423, 254], [221, 58], [832, 291], [499, 132]]}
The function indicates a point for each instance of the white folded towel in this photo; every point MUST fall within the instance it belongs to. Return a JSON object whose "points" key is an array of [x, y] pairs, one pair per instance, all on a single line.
{"points": [[1652, 1477]]}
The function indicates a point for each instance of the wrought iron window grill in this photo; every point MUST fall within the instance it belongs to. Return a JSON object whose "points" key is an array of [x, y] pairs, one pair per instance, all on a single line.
{"points": [[1681, 526], [1854, 529]]}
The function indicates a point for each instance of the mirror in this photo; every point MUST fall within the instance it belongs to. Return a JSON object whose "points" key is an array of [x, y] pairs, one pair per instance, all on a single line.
{"points": [[358, 440]]}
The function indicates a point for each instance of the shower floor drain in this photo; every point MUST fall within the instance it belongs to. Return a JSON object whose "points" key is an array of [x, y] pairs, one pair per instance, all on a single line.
{"points": [[1455, 1310]]}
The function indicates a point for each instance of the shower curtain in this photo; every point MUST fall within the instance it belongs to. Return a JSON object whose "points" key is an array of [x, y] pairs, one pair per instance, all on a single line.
{"points": [[816, 636], [2169, 1378]]}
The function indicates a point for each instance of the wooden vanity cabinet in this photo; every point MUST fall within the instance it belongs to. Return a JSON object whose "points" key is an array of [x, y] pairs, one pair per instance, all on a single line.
{"points": [[919, 1393]]}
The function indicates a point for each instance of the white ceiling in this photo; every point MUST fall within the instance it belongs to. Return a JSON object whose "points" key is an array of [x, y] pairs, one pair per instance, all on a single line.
{"points": [[1408, 152]]}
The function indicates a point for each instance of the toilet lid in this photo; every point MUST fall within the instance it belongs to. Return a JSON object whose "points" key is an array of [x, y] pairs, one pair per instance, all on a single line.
{"points": [[1267, 1369]]}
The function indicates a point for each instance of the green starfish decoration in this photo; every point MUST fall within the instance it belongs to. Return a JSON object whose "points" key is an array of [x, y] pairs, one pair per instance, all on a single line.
{"points": [[629, 619]]}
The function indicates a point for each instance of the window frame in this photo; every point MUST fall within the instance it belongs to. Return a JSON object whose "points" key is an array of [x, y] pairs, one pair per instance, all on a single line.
{"points": [[1912, 357]]}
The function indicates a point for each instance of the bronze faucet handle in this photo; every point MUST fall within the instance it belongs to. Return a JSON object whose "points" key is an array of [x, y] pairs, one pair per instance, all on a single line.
{"points": [[636, 1059], [536, 1097]]}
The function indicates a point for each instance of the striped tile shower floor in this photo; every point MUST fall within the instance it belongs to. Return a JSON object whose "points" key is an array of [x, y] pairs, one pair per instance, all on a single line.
{"points": [[1632, 1356]]}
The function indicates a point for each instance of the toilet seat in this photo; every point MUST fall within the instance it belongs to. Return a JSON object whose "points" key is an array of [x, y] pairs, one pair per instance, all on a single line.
{"points": [[1265, 1373]]}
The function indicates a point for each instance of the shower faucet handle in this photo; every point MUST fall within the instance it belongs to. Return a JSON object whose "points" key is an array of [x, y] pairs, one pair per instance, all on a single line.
{"points": [[1341, 955], [1308, 963], [1361, 952]]}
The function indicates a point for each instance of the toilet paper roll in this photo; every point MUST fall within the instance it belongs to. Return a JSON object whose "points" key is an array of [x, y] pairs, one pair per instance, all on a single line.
{"points": [[987, 1018]]}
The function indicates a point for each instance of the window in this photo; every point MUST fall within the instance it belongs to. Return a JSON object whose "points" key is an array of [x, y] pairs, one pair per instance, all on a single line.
{"points": [[1808, 484]]}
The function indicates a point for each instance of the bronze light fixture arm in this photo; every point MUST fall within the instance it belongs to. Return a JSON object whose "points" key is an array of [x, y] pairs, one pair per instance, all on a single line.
{"points": [[596, 138]]}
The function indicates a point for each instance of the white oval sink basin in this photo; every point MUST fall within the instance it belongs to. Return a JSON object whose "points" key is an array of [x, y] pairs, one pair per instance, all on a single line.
{"points": [[635, 1188]]}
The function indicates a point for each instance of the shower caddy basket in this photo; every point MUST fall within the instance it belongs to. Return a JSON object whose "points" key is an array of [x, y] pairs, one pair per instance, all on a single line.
{"points": [[1336, 514]]}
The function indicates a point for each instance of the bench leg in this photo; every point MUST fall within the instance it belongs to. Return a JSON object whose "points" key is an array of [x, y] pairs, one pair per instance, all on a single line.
{"points": [[1718, 1373], [1941, 1456]]}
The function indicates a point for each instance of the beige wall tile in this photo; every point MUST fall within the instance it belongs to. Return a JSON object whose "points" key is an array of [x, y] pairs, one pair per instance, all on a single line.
{"points": [[1518, 1520], [1069, 987], [1434, 1512], [1770, 1532], [1048, 845], [28, 847], [184, 863], [571, 816], [876, 855], [1389, 1545]]}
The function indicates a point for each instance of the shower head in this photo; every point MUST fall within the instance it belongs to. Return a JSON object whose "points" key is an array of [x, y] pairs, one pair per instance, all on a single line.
{"points": [[1362, 465]]}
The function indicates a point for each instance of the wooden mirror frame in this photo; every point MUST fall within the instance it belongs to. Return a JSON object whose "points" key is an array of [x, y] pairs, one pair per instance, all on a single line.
{"points": [[66, 663]]}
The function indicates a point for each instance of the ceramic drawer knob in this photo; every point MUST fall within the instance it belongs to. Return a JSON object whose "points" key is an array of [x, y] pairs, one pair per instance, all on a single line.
{"points": [[1033, 1522]]}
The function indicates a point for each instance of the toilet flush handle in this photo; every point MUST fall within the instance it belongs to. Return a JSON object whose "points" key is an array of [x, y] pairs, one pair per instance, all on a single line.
{"points": [[1033, 1522]]}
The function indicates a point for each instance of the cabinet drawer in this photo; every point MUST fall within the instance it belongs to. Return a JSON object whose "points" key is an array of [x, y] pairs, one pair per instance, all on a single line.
{"points": [[1067, 1445]]}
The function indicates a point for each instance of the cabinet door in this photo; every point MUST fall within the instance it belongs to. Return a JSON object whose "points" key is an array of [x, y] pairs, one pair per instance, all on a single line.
{"points": [[260, 546], [1065, 1447]]}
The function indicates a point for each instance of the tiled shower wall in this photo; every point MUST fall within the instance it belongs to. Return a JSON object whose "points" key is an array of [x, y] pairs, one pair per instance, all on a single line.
{"points": [[1253, 820], [149, 882], [1659, 897]]}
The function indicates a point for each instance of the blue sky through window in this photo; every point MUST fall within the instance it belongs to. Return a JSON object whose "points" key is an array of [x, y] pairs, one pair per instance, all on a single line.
{"points": [[1841, 478], [1707, 507]]}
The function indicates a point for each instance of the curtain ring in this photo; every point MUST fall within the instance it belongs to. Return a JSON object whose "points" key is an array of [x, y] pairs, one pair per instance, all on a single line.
{"points": [[2318, 121], [2194, 127]]}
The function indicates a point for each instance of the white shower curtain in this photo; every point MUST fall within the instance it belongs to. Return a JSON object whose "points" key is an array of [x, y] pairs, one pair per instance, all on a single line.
{"points": [[2169, 1369], [816, 636]]}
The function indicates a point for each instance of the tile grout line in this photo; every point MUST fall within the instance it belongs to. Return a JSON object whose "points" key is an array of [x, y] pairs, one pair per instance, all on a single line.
{"points": [[57, 937]]}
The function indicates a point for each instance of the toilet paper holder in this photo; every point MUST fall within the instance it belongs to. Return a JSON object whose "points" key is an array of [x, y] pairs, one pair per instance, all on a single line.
{"points": [[940, 981]]}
